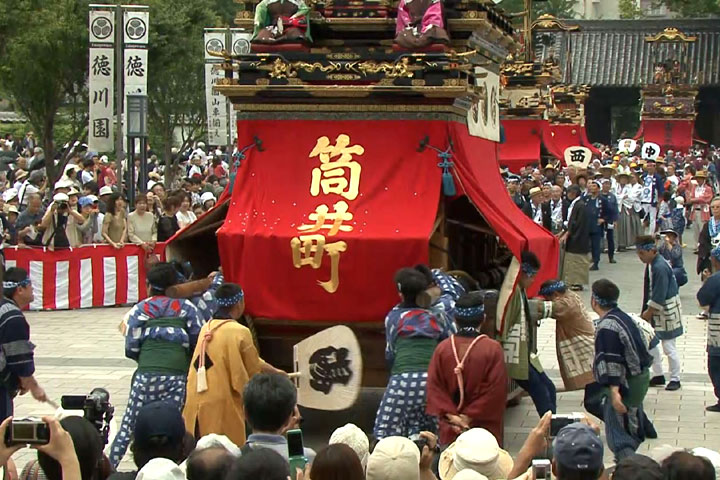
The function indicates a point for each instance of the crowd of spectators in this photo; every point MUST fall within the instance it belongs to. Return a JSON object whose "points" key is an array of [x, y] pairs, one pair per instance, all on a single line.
{"points": [[163, 450], [87, 204]]}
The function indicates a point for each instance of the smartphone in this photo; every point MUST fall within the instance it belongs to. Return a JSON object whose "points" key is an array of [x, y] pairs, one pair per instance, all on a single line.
{"points": [[296, 451], [541, 469], [27, 431]]}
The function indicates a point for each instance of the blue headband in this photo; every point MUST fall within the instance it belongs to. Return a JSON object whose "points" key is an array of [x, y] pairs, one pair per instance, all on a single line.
{"points": [[646, 246], [715, 253], [603, 302], [528, 269], [470, 312], [552, 288], [230, 301], [21, 283]]}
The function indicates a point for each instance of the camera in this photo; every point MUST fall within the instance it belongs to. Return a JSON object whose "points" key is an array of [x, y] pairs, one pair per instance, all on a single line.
{"points": [[558, 422], [27, 431], [541, 469], [96, 407], [419, 441]]}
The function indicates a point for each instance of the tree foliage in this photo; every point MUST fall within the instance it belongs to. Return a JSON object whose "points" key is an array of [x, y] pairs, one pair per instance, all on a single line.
{"points": [[557, 8], [44, 47], [693, 8], [176, 78], [629, 9]]}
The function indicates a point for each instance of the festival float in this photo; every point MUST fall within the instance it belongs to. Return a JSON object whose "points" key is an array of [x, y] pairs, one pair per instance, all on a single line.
{"points": [[367, 141]]}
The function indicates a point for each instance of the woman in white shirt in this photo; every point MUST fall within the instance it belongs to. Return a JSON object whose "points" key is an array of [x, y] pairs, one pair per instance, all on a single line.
{"points": [[185, 215]]}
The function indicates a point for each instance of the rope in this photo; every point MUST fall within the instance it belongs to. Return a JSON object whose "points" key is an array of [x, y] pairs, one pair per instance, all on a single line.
{"points": [[460, 366]]}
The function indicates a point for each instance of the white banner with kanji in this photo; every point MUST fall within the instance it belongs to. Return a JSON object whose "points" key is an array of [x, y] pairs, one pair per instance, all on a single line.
{"points": [[216, 104], [101, 78]]}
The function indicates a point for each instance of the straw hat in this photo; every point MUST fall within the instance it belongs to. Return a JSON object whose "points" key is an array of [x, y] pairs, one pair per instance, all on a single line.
{"points": [[535, 191], [701, 174], [477, 450]]}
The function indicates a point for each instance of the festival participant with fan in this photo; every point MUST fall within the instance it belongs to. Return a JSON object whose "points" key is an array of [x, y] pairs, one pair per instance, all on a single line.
{"points": [[467, 378], [224, 360], [412, 332], [574, 333]]}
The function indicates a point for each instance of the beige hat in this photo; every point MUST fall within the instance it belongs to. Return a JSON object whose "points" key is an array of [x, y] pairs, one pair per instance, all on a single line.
{"points": [[64, 183], [354, 438], [13, 209], [19, 174], [394, 458], [468, 474], [534, 191], [478, 450], [106, 190]]}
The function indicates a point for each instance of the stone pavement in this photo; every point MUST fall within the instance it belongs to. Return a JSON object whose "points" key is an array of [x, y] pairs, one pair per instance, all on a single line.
{"points": [[80, 350]]}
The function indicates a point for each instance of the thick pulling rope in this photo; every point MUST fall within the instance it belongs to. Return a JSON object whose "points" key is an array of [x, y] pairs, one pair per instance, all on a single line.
{"points": [[460, 366], [202, 385]]}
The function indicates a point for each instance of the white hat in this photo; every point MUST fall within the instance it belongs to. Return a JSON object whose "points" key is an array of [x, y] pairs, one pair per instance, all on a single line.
{"points": [[207, 196], [104, 159], [106, 190], [478, 450], [9, 194], [70, 167], [680, 200], [93, 198], [160, 469], [73, 191], [394, 458], [468, 474], [64, 183], [151, 184], [215, 440], [354, 438], [61, 197]]}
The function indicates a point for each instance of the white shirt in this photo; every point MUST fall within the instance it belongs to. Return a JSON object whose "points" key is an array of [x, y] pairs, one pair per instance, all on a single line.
{"points": [[537, 213], [185, 219], [636, 192], [88, 177], [98, 237], [557, 213]]}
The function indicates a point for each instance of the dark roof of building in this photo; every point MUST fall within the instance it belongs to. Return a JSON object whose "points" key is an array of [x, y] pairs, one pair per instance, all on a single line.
{"points": [[615, 52]]}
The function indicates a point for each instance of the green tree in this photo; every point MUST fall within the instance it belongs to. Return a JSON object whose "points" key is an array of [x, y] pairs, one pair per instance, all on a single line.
{"points": [[557, 8], [629, 9], [694, 8], [176, 78], [44, 49]]}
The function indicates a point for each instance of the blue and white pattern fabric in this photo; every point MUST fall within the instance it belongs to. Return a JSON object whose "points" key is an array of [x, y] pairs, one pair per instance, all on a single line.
{"points": [[146, 388], [438, 322], [402, 410], [709, 296], [661, 293], [160, 307], [206, 303]]}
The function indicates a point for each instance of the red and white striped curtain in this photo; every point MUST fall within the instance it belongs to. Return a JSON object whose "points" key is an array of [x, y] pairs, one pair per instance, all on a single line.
{"points": [[83, 277]]}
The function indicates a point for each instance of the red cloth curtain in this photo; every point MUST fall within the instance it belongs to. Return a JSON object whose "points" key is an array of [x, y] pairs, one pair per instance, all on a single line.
{"points": [[522, 143], [487, 192], [393, 216], [558, 137], [669, 134]]}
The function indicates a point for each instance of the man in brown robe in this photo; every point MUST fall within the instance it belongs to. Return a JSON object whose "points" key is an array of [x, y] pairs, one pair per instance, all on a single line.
{"points": [[467, 379]]}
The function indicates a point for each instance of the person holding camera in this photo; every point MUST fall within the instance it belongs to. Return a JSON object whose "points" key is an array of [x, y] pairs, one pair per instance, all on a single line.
{"points": [[16, 350], [58, 220], [59, 453]]}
